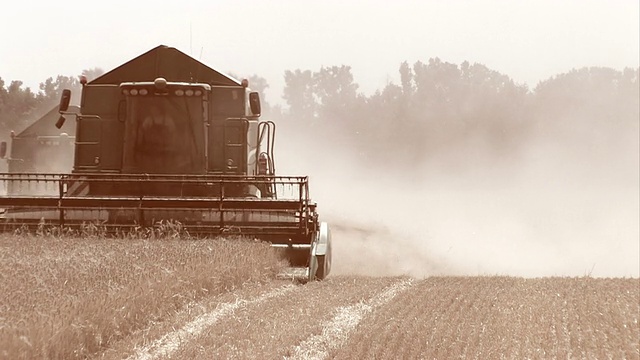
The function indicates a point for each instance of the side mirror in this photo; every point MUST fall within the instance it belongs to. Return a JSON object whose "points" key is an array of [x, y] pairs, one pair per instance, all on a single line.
{"points": [[254, 103], [64, 100], [3, 149], [60, 121]]}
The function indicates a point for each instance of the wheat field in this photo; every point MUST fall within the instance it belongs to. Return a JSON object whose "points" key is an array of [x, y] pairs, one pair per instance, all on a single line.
{"points": [[160, 297], [71, 297]]}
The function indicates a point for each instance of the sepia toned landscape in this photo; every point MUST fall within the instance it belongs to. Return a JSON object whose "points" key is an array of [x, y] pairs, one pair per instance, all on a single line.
{"points": [[66, 298], [330, 180]]}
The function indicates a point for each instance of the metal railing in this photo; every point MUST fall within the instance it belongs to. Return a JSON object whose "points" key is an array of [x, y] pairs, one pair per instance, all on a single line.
{"points": [[202, 203]]}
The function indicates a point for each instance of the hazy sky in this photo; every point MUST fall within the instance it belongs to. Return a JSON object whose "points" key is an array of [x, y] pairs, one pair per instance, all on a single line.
{"points": [[527, 40]]}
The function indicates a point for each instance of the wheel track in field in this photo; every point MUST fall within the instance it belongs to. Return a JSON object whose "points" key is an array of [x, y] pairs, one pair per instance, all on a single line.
{"points": [[167, 345], [336, 331], [278, 324], [388, 318], [386, 334]]}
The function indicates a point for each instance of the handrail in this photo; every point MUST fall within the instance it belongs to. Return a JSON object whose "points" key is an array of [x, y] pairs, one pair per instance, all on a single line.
{"points": [[48, 196], [268, 129], [60, 186]]}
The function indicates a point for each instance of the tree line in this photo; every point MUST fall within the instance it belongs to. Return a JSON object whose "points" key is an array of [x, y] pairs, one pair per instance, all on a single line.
{"points": [[436, 106], [439, 107], [20, 106]]}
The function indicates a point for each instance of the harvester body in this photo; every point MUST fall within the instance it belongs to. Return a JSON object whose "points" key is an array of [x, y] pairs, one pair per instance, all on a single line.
{"points": [[166, 138]]}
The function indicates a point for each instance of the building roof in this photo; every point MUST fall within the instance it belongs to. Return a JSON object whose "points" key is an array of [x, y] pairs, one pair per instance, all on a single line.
{"points": [[169, 63]]}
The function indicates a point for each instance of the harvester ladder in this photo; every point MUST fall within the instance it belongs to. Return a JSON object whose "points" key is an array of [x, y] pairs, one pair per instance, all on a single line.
{"points": [[266, 136]]}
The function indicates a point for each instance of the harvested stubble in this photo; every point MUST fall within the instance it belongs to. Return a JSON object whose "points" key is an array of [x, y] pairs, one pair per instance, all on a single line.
{"points": [[276, 328], [498, 317], [71, 297]]}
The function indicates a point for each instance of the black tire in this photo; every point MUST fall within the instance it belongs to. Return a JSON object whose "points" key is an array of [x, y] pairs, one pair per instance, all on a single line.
{"points": [[322, 269]]}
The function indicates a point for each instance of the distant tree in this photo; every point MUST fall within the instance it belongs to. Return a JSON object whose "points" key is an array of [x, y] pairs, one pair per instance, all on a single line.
{"points": [[408, 88], [335, 91], [593, 110], [629, 94], [93, 73], [16, 104], [299, 94], [466, 109], [384, 122], [591, 94], [20, 106], [436, 86], [439, 104], [259, 85], [51, 90], [406, 79]]}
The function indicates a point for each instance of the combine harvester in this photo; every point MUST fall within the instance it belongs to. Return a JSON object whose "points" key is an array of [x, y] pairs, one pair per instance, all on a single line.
{"points": [[41, 147], [164, 138]]}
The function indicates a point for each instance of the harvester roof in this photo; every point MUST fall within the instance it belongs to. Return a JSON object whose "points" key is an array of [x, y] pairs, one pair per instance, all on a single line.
{"points": [[166, 62], [44, 125]]}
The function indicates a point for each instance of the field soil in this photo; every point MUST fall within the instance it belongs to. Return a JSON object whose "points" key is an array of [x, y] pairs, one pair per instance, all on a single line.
{"points": [[203, 299]]}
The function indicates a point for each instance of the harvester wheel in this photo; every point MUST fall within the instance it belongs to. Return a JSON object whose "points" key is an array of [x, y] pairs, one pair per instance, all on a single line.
{"points": [[321, 273], [321, 253]]}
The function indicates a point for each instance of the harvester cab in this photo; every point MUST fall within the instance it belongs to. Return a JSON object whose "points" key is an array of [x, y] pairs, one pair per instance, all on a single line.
{"points": [[166, 138]]}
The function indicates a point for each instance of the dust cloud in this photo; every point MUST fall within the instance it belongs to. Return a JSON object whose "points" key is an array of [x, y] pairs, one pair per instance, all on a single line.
{"points": [[560, 206], [56, 159]]}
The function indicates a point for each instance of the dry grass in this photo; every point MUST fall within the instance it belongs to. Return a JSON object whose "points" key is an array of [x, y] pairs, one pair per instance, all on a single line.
{"points": [[71, 297]]}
